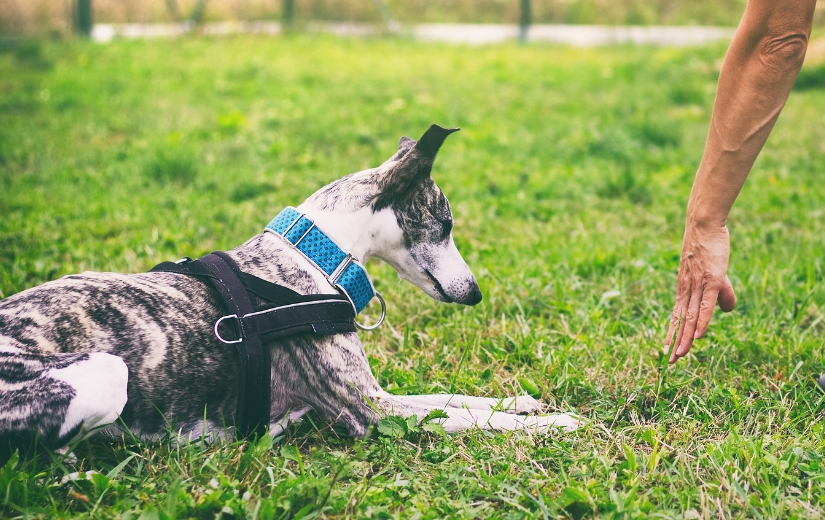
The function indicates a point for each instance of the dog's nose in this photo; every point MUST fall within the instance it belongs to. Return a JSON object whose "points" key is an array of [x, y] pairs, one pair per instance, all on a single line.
{"points": [[475, 295]]}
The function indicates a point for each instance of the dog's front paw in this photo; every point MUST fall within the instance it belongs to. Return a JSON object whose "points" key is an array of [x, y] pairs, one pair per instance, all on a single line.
{"points": [[545, 423], [523, 404]]}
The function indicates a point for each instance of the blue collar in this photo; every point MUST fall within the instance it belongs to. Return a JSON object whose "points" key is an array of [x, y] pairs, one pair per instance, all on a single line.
{"points": [[341, 269]]}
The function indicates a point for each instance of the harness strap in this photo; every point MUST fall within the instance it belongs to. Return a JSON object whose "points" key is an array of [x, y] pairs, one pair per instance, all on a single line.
{"points": [[292, 313], [261, 288], [254, 382], [326, 317]]}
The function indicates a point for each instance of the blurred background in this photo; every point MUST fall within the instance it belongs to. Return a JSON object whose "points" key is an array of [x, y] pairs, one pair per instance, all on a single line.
{"points": [[58, 16]]}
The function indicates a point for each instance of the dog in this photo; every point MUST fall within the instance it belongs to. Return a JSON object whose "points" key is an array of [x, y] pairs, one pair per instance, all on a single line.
{"points": [[138, 352]]}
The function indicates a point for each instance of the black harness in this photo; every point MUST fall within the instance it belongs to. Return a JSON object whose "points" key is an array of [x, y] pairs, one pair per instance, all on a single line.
{"points": [[259, 310]]}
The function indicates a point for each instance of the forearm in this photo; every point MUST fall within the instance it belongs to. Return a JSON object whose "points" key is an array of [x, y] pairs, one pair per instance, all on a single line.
{"points": [[759, 70]]}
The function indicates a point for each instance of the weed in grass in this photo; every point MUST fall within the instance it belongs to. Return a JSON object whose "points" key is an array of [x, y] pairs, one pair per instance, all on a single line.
{"points": [[626, 183], [172, 165], [687, 93], [250, 190], [231, 123], [658, 132], [30, 53]]}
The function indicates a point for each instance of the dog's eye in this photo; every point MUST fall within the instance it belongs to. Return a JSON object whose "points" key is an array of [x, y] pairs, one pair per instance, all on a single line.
{"points": [[446, 229]]}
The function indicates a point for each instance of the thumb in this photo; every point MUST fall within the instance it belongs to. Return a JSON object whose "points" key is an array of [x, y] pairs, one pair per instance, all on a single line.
{"points": [[727, 298]]}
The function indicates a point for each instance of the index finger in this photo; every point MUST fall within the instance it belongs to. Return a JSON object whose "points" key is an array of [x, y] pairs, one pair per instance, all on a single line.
{"points": [[673, 328]]}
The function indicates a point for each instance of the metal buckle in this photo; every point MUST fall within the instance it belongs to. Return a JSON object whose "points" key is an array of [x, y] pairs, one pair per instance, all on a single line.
{"points": [[380, 320], [184, 260], [289, 228], [304, 235], [237, 329], [339, 271]]}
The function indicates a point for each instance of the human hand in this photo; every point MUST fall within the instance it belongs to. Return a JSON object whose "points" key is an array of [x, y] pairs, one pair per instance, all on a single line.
{"points": [[701, 281]]}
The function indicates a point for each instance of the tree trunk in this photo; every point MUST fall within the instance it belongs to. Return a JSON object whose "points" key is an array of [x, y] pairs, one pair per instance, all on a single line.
{"points": [[83, 18], [174, 12], [288, 13], [524, 20], [196, 16]]}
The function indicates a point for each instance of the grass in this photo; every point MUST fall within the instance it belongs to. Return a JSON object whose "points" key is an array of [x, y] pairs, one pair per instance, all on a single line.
{"points": [[568, 183]]}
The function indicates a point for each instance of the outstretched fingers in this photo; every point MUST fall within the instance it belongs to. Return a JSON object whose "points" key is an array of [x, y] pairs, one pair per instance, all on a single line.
{"points": [[694, 319], [726, 298], [677, 318], [709, 297], [700, 283], [685, 338]]}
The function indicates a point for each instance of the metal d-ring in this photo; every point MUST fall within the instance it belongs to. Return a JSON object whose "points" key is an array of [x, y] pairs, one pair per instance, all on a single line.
{"points": [[380, 320], [218, 335]]}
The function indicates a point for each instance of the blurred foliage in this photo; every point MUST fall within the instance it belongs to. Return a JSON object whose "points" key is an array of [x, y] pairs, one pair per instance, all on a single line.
{"points": [[42, 16], [811, 77]]}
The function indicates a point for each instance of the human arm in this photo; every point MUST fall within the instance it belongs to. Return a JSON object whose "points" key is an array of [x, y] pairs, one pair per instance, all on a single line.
{"points": [[757, 74]]}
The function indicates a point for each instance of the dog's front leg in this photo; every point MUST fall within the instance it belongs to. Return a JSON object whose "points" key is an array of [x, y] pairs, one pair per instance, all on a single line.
{"points": [[465, 418], [332, 375], [277, 427], [329, 374], [523, 404], [462, 419]]}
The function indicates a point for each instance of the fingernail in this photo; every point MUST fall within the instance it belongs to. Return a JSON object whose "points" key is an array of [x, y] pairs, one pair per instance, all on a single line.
{"points": [[696, 335]]}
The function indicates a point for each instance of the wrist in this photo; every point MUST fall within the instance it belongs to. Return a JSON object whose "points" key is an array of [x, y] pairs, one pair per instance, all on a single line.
{"points": [[705, 219], [706, 224]]}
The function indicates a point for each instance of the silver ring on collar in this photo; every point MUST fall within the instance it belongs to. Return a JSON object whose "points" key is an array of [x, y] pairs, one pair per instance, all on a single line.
{"points": [[380, 320]]}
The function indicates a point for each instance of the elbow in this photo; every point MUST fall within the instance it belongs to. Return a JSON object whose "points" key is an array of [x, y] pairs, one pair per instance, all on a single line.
{"points": [[784, 52]]}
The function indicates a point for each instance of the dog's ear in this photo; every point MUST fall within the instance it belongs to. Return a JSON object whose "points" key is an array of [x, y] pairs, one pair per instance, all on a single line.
{"points": [[431, 142], [415, 162], [404, 146]]}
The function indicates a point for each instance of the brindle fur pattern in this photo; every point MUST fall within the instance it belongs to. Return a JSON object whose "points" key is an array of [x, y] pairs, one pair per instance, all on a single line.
{"points": [[66, 346]]}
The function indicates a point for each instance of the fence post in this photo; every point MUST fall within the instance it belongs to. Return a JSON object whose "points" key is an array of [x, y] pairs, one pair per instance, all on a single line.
{"points": [[196, 16], [524, 20], [390, 22], [83, 17], [287, 14]]}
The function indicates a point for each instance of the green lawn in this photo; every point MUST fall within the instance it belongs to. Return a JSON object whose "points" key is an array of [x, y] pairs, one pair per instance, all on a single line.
{"points": [[568, 183]]}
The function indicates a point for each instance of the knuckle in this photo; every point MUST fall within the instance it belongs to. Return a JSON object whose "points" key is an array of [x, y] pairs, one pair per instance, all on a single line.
{"points": [[714, 279]]}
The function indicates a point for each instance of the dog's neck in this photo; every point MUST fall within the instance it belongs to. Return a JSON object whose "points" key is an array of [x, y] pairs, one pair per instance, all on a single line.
{"points": [[363, 233]]}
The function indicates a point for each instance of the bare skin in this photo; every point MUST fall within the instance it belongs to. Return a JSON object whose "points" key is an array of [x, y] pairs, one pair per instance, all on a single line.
{"points": [[759, 70]]}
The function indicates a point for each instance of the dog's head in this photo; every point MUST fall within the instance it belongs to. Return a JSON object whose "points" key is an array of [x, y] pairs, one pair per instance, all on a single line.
{"points": [[402, 217]]}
